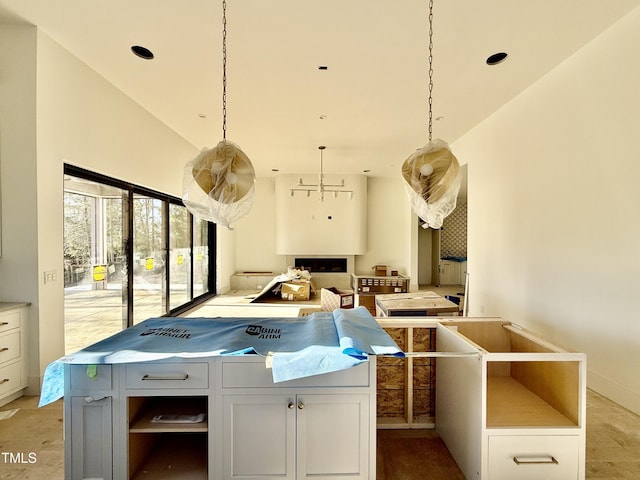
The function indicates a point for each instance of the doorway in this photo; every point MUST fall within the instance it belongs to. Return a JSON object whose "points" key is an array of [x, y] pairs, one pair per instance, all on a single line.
{"points": [[442, 253]]}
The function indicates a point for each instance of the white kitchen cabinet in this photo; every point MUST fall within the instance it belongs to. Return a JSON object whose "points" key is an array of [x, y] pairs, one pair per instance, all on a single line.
{"points": [[253, 428], [13, 350], [88, 426], [91, 437], [258, 436], [156, 449], [296, 436], [321, 426], [517, 409]]}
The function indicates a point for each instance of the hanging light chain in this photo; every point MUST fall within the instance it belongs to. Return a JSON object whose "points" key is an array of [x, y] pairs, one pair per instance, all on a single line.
{"points": [[430, 69], [224, 70]]}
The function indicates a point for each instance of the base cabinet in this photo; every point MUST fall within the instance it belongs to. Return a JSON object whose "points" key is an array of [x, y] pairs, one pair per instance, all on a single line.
{"points": [[298, 430], [520, 407], [250, 428], [91, 452], [13, 350], [296, 436]]}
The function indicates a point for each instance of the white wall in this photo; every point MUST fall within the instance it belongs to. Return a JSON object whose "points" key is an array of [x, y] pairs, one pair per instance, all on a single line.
{"points": [[554, 209], [389, 222], [19, 262], [81, 119]]}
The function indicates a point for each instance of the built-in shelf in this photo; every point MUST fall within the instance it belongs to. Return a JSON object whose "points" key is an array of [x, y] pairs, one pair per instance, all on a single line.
{"points": [[511, 404], [167, 450]]}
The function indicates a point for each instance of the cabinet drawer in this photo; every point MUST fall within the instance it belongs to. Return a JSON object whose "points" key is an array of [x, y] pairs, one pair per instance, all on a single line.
{"points": [[533, 457], [9, 320], [10, 378], [81, 380], [167, 375], [9, 346], [256, 374]]}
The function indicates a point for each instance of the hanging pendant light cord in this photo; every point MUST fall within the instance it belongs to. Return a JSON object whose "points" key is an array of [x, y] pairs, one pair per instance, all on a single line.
{"points": [[224, 70], [430, 69]]}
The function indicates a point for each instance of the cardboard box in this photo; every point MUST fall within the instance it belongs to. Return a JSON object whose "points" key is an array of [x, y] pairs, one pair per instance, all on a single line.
{"points": [[296, 290], [331, 299], [380, 270]]}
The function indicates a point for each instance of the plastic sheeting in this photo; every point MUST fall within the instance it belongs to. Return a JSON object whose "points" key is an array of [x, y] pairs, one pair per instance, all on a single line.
{"points": [[297, 347], [432, 181], [218, 185]]}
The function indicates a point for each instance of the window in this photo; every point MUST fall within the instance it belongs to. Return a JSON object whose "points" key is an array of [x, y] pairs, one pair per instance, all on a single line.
{"points": [[113, 278]]}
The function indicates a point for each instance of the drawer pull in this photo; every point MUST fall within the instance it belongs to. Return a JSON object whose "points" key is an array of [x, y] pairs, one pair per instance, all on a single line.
{"points": [[535, 460], [4, 380], [4, 349], [165, 377], [94, 399], [2, 324]]}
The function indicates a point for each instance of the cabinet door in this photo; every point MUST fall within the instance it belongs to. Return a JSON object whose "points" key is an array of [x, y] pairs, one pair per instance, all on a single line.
{"points": [[91, 438], [449, 272], [258, 437], [333, 436]]}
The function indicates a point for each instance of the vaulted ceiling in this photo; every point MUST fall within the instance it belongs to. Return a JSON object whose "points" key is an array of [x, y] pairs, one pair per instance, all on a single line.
{"points": [[369, 106]]}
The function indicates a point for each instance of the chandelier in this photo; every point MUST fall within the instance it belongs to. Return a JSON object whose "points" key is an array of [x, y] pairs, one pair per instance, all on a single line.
{"points": [[321, 187], [432, 174], [218, 185]]}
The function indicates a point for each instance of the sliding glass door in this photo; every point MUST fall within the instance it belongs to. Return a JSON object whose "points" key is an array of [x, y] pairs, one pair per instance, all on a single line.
{"points": [[95, 264], [180, 234], [130, 254], [149, 258]]}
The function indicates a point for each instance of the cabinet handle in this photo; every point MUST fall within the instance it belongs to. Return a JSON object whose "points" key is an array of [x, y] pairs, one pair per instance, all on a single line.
{"points": [[4, 380], [165, 377], [301, 406], [290, 405], [94, 399], [4, 349], [535, 460], [2, 324]]}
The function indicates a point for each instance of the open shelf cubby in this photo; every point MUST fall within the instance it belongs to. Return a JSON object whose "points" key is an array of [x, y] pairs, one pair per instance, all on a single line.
{"points": [[167, 450], [522, 392]]}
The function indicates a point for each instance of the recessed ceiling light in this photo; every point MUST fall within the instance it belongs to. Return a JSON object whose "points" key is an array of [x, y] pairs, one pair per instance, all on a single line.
{"points": [[322, 117], [202, 115], [496, 58], [142, 52]]}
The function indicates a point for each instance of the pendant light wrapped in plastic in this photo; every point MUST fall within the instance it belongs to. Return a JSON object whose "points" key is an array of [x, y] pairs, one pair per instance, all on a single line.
{"points": [[432, 181], [218, 184]]}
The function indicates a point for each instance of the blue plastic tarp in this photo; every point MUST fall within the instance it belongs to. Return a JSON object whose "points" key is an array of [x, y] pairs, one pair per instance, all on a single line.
{"points": [[320, 343]]}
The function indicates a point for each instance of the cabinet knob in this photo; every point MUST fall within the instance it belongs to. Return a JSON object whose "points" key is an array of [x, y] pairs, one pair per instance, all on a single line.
{"points": [[290, 406], [301, 406]]}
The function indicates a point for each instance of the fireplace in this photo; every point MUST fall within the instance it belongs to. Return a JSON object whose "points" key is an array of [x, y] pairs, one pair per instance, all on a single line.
{"points": [[322, 265]]}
